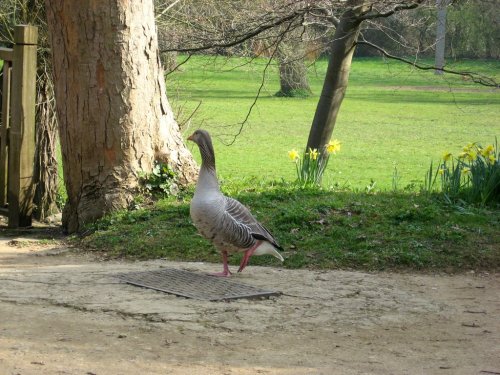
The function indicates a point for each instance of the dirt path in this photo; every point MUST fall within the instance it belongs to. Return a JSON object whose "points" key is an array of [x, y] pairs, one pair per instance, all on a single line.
{"points": [[63, 313]]}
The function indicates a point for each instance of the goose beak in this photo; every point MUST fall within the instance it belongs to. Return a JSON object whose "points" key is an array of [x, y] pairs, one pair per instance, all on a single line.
{"points": [[191, 138]]}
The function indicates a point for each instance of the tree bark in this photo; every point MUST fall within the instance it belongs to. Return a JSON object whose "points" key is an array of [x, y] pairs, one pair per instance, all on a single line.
{"points": [[293, 71], [337, 74], [114, 117]]}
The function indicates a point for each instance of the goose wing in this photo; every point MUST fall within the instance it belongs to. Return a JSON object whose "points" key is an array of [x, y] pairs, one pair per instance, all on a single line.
{"points": [[241, 217]]}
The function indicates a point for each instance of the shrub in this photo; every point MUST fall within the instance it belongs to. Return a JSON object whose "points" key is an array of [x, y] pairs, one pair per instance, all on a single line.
{"points": [[472, 176]]}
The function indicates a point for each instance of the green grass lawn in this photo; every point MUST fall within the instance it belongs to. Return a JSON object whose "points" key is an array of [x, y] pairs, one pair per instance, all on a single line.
{"points": [[393, 116]]}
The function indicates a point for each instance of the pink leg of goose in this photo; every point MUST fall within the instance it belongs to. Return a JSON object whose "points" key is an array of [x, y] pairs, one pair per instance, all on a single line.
{"points": [[248, 254], [225, 272]]}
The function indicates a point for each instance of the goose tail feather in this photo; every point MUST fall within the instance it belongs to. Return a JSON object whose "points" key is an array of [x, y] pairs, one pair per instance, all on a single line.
{"points": [[267, 248]]}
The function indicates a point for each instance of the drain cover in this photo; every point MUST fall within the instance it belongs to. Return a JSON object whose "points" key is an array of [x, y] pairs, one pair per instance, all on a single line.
{"points": [[194, 285]]}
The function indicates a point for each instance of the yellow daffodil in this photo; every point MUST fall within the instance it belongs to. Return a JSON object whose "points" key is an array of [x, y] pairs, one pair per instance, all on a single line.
{"points": [[333, 146], [441, 171], [466, 171], [447, 156], [313, 153], [462, 155], [491, 159], [487, 150], [468, 147], [293, 155], [471, 155]]}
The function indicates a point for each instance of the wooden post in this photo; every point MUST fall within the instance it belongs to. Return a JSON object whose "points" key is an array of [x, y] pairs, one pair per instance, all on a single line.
{"points": [[22, 128], [4, 131]]}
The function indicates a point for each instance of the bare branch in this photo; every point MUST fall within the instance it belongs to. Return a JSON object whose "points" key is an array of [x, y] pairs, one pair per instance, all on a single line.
{"points": [[397, 8], [247, 35], [475, 77], [327, 14], [181, 125]]}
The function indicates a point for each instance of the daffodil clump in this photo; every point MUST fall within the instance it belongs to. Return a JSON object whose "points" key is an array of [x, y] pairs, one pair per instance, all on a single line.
{"points": [[472, 175], [312, 164]]}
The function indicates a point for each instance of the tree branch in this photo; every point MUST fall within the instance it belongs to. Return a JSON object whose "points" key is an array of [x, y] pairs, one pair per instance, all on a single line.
{"points": [[475, 77], [375, 14], [328, 15], [246, 36]]}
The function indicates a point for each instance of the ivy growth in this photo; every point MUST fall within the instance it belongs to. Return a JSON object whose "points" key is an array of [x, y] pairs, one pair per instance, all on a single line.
{"points": [[162, 181]]}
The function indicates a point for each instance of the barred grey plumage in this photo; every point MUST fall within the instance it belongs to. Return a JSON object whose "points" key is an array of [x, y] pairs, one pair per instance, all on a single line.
{"points": [[223, 220]]}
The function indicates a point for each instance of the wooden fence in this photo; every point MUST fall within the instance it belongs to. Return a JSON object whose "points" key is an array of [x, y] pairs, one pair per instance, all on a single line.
{"points": [[17, 127]]}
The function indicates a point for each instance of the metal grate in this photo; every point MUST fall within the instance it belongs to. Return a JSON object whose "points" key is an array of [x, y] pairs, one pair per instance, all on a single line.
{"points": [[194, 285]]}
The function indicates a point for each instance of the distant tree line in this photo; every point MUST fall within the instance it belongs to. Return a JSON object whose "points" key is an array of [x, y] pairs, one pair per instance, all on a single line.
{"points": [[472, 31], [472, 28]]}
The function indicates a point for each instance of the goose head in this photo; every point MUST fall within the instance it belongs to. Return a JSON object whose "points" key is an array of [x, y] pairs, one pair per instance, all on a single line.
{"points": [[204, 141]]}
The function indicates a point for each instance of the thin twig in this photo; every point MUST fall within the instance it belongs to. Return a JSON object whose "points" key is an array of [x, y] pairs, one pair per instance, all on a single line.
{"points": [[181, 125], [262, 83], [179, 65]]}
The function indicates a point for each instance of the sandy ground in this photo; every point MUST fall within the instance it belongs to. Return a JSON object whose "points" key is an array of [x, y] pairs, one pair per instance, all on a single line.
{"points": [[67, 313]]}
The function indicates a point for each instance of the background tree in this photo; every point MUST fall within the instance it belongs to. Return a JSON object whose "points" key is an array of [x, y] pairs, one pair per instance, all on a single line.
{"points": [[337, 73], [291, 56], [114, 117], [441, 6]]}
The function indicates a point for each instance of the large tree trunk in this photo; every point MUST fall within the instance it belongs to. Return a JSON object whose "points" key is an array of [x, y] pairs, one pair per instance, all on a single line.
{"points": [[337, 74], [114, 117]]}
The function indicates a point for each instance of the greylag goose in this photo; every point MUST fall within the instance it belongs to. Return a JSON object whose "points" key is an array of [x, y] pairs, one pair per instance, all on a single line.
{"points": [[223, 220]]}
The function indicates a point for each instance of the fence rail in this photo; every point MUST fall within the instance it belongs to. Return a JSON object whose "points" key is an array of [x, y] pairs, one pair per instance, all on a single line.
{"points": [[17, 127]]}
